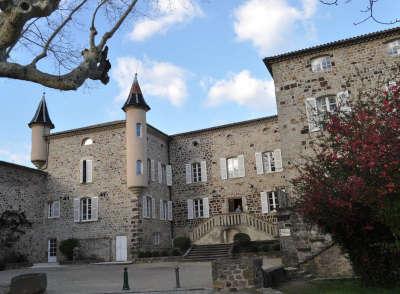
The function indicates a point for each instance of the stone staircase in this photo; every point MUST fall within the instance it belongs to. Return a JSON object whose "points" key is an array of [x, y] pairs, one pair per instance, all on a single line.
{"points": [[207, 252]]}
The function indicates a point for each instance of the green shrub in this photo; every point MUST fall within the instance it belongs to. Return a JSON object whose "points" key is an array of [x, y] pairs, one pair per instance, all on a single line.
{"points": [[175, 252], [164, 253], [15, 257], [147, 254], [141, 254], [265, 248], [242, 239], [67, 247], [155, 254], [276, 247], [182, 243]]}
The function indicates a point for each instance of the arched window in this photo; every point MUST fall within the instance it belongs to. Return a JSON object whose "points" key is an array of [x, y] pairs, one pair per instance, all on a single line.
{"points": [[321, 64], [87, 141], [394, 48], [139, 167]]}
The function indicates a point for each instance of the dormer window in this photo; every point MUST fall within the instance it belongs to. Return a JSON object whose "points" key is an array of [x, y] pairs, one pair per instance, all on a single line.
{"points": [[394, 48], [321, 64], [87, 141]]}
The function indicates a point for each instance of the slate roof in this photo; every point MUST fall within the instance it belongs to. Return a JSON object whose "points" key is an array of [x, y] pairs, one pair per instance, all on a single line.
{"points": [[42, 115], [135, 97]]}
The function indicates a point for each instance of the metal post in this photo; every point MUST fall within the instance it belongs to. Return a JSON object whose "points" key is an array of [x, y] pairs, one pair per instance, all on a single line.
{"points": [[178, 282], [126, 280]]}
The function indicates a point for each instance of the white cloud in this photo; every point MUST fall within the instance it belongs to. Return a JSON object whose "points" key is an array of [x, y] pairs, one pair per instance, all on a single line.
{"points": [[269, 23], [160, 79], [166, 14], [22, 157], [245, 90]]}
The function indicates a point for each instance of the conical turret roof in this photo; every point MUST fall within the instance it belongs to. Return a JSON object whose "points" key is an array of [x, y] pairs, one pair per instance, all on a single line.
{"points": [[135, 97], [42, 115]]}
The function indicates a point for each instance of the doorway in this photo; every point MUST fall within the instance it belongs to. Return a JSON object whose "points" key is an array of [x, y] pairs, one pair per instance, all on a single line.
{"points": [[52, 250], [121, 248], [235, 205]]}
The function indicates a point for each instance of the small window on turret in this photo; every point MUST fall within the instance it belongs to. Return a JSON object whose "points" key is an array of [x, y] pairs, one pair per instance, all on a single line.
{"points": [[138, 129], [87, 141], [139, 167]]}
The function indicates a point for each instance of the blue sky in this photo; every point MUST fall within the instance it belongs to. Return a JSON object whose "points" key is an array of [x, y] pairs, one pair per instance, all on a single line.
{"points": [[199, 65]]}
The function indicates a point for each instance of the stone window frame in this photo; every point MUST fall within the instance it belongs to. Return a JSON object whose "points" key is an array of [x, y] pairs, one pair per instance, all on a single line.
{"points": [[88, 209], [321, 63], [139, 130], [393, 47], [51, 209], [149, 207], [268, 161]]}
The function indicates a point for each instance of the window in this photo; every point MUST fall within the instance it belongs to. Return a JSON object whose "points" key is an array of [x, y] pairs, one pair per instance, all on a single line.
{"points": [[321, 64], [139, 167], [87, 141], [394, 48], [196, 172], [138, 129], [156, 238], [86, 171], [148, 170], [233, 167], [86, 209], [164, 210], [326, 104], [272, 201], [163, 173], [148, 206], [53, 209], [269, 161], [198, 208]]}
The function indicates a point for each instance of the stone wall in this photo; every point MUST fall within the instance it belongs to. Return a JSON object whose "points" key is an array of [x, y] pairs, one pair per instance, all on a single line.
{"points": [[245, 138], [236, 274], [24, 189]]}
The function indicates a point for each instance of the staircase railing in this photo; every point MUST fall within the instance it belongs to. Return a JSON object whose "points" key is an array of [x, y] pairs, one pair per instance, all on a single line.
{"points": [[266, 225]]}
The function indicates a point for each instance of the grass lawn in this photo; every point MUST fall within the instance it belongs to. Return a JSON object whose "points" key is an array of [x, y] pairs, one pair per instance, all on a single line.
{"points": [[331, 287]]}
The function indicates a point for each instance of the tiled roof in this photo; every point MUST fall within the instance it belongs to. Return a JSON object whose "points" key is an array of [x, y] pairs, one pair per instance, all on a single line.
{"points": [[42, 115], [135, 97]]}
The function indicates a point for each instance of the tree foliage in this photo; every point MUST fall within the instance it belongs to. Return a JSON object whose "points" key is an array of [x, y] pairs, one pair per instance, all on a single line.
{"points": [[13, 225], [350, 186]]}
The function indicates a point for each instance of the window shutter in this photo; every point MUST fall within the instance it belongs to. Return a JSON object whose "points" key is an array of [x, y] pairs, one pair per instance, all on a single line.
{"points": [[159, 173], [95, 208], [77, 209], [144, 203], [242, 172], [170, 210], [312, 114], [56, 208], [278, 159], [206, 208], [204, 171], [188, 167], [343, 101], [264, 202], [153, 170], [153, 208], [89, 171], [190, 208], [81, 170], [169, 175], [222, 164], [161, 209], [259, 163]]}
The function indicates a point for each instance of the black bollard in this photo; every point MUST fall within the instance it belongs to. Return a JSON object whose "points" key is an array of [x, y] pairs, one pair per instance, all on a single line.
{"points": [[178, 282], [126, 281]]}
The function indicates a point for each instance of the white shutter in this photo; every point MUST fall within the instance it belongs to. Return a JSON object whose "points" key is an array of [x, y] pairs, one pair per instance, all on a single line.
{"points": [[343, 101], [190, 208], [206, 208], [144, 204], [312, 114], [222, 164], [278, 159], [159, 173], [264, 202], [153, 170], [89, 171], [153, 208], [95, 208], [259, 163], [188, 167], [56, 208], [169, 175], [81, 170], [77, 209], [170, 210], [204, 171], [242, 171], [162, 210]]}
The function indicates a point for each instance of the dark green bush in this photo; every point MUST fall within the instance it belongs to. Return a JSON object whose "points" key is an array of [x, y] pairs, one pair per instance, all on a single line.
{"points": [[15, 257], [141, 254], [164, 253], [175, 252], [265, 248], [67, 247], [147, 254], [182, 243], [276, 247], [241, 239], [155, 254]]}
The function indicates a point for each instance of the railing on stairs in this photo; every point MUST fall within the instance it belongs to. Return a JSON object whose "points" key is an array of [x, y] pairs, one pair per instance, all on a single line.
{"points": [[226, 220]]}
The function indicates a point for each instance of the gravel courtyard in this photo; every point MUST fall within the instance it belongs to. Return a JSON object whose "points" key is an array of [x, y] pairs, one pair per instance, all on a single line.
{"points": [[109, 278]]}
